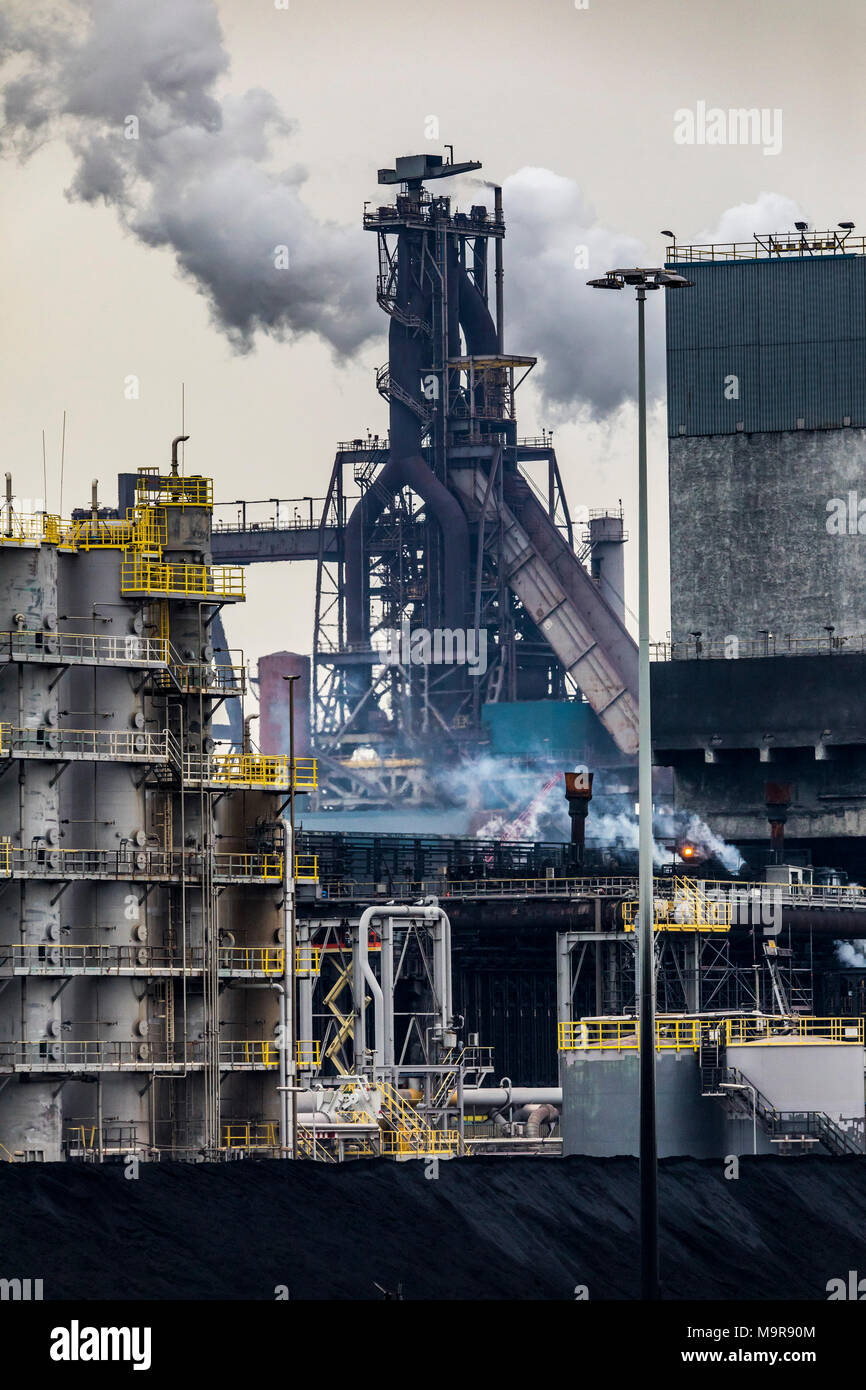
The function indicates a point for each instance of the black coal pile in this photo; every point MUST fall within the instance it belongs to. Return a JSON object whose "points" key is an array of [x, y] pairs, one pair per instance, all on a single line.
{"points": [[484, 1228]]}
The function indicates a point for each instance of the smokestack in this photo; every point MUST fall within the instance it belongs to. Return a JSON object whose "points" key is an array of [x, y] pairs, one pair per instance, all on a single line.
{"points": [[578, 794], [497, 252], [94, 501], [777, 796], [9, 504]]}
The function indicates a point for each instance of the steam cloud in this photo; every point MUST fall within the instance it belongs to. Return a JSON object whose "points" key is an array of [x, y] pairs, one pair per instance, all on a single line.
{"points": [[199, 182], [586, 339], [196, 180]]}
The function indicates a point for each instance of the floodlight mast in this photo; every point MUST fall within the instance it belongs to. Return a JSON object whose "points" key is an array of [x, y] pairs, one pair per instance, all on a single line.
{"points": [[643, 279]]}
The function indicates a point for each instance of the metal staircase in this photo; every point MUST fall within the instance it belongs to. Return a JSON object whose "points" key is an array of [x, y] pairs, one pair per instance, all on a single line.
{"points": [[742, 1099], [412, 1136]]}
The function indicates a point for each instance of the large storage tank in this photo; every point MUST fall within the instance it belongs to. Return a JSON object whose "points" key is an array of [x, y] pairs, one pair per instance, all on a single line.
{"points": [[813, 1069]]}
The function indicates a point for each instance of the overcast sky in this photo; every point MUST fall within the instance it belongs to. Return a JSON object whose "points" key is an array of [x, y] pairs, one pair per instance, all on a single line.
{"points": [[261, 124]]}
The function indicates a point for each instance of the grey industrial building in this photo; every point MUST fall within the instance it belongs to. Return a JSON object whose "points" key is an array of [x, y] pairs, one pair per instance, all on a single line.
{"points": [[761, 680]]}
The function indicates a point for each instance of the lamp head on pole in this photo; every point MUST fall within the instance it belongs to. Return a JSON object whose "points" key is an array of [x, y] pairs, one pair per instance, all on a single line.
{"points": [[641, 278]]}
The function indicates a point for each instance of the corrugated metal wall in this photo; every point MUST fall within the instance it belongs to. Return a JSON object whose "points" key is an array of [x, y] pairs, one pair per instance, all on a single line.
{"points": [[792, 331]]}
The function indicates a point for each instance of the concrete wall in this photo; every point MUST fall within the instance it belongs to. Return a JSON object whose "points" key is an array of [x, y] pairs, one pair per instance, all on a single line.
{"points": [[750, 548]]}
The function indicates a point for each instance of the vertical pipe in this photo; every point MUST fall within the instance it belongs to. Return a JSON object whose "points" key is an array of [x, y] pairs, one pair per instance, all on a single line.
{"points": [[648, 1145], [563, 977], [387, 979], [599, 993], [293, 945], [99, 1144], [497, 254]]}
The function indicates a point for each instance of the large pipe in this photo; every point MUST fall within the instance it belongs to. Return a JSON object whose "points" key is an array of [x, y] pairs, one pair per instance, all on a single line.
{"points": [[408, 357], [411, 472], [495, 1097], [427, 912], [499, 275], [541, 1115]]}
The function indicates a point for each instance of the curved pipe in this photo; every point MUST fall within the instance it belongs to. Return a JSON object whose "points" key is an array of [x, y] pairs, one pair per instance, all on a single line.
{"points": [[406, 466], [178, 439], [411, 472], [541, 1115], [430, 911], [479, 330]]}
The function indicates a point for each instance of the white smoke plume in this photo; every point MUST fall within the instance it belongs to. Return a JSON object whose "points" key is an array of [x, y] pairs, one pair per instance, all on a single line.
{"points": [[852, 953], [586, 339], [199, 181], [196, 176], [770, 212]]}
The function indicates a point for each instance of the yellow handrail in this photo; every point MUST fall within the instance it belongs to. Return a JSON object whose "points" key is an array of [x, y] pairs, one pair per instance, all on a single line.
{"points": [[306, 868], [184, 581], [674, 1034], [682, 907]]}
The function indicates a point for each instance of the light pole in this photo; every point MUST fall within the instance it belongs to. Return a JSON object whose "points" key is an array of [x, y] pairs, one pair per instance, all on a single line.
{"points": [[643, 280]]}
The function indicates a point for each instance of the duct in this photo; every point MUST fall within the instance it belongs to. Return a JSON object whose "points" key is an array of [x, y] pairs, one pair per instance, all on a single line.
{"points": [[364, 972], [178, 439], [478, 327], [496, 1097], [408, 356], [407, 472], [541, 1115], [383, 1049]]}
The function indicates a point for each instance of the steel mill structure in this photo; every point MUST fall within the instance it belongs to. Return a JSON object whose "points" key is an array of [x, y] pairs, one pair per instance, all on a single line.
{"points": [[145, 879], [438, 528]]}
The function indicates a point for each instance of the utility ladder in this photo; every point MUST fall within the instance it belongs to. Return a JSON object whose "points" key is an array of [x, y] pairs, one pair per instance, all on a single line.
{"points": [[589, 639]]}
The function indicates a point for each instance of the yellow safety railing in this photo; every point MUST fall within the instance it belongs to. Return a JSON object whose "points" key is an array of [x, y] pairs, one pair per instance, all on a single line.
{"points": [[306, 868], [172, 491], [266, 866], [5, 857], [305, 774], [82, 1136], [434, 1142], [145, 528], [36, 528], [801, 1029], [238, 1135], [682, 908], [308, 1052], [249, 769], [267, 960], [257, 1052], [140, 576], [675, 1034], [308, 960]]}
